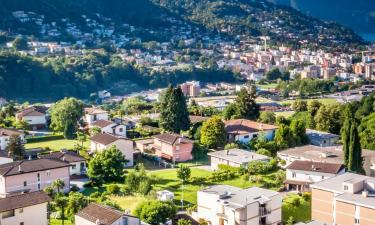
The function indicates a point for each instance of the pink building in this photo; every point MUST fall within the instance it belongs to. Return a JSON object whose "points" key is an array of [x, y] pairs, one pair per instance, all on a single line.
{"points": [[32, 175], [191, 89], [173, 147]]}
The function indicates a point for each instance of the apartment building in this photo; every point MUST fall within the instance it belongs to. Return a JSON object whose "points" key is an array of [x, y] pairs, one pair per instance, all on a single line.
{"points": [[172, 147], [32, 175], [191, 89], [347, 199], [228, 205]]}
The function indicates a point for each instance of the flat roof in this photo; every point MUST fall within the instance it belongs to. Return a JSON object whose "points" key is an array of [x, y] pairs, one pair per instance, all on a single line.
{"points": [[238, 155]]}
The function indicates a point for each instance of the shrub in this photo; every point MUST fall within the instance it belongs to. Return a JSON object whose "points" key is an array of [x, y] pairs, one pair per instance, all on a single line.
{"points": [[306, 196], [264, 151], [44, 138], [295, 201], [74, 188], [113, 189]]}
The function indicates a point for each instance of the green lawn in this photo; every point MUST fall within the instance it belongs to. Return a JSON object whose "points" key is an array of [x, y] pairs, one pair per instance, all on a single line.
{"points": [[128, 202], [301, 213], [59, 222], [285, 114], [56, 145], [325, 101], [267, 86]]}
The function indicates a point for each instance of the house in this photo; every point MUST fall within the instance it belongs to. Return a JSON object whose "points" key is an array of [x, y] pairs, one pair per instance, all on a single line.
{"points": [[347, 199], [244, 130], [330, 154], [25, 209], [94, 114], [4, 157], [130, 124], [235, 158], [5, 135], [322, 139], [103, 141], [32, 175], [173, 147], [35, 116], [104, 94], [95, 214], [165, 195], [107, 126], [301, 174], [77, 163], [224, 204]]}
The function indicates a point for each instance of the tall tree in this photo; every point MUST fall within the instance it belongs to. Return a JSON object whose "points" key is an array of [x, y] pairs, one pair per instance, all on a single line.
{"points": [[183, 173], [246, 106], [213, 133], [15, 148], [355, 161], [284, 137], [298, 129], [174, 115], [65, 115]]}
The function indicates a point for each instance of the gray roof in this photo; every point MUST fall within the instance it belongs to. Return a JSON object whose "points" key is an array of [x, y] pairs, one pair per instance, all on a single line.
{"points": [[239, 198], [334, 184], [238, 155], [320, 134], [311, 223]]}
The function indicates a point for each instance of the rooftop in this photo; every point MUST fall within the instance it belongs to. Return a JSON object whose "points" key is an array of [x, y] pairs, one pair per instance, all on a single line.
{"points": [[102, 123], [66, 156], [99, 213], [23, 200], [321, 167], [93, 111], [242, 126], [238, 155], [197, 119], [29, 166], [9, 132], [172, 138], [33, 111], [104, 138], [237, 197]]}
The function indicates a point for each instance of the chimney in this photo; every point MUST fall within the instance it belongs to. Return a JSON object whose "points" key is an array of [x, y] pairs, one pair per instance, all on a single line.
{"points": [[227, 152], [365, 193], [63, 159], [312, 167], [19, 168], [97, 222]]}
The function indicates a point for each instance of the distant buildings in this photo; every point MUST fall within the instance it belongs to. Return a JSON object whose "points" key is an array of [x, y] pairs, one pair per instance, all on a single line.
{"points": [[244, 130], [191, 89], [346, 199], [224, 204], [234, 157], [109, 127], [301, 174]]}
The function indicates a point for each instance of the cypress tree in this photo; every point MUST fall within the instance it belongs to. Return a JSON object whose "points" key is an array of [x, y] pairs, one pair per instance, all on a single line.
{"points": [[355, 151], [69, 130], [345, 137], [247, 108]]}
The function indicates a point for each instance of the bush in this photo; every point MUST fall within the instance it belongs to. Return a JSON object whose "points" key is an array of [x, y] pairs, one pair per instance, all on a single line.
{"points": [[295, 201], [306, 196], [113, 189], [260, 167], [264, 151], [44, 138], [74, 188]]}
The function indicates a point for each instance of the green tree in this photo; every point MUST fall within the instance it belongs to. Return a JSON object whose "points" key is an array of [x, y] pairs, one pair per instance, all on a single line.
{"points": [[273, 74], [184, 222], [313, 107], [213, 133], [264, 151], [329, 118], [61, 202], [15, 148], [229, 111], [155, 212], [246, 106], [232, 145], [284, 137], [298, 129], [268, 117], [299, 106], [174, 115], [106, 166], [183, 173], [76, 201], [367, 132], [58, 185], [65, 115], [20, 44], [355, 162]]}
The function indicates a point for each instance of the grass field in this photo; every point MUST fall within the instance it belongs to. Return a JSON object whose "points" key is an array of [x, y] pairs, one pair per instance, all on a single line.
{"points": [[56, 145], [301, 213], [325, 101], [285, 114], [128, 202], [59, 222], [267, 86]]}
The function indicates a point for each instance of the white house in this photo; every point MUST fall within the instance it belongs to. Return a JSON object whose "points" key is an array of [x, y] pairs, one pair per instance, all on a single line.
{"points": [[104, 94], [24, 209], [77, 163], [234, 157], [94, 114], [95, 214], [228, 205], [103, 141], [109, 127], [5, 135], [35, 116], [300, 174], [244, 130]]}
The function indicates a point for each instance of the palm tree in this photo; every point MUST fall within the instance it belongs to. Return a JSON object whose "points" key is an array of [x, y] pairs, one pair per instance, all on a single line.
{"points": [[58, 184], [62, 202]]}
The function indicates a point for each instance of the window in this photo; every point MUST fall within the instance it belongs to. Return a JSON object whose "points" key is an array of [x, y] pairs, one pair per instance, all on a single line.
{"points": [[39, 187], [356, 221], [48, 173], [22, 223], [21, 210], [246, 136], [294, 175], [38, 176], [346, 187], [8, 214], [74, 166], [322, 177], [121, 130], [25, 183]]}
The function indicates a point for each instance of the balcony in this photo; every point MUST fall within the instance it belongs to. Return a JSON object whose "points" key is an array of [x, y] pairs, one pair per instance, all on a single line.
{"points": [[263, 211]]}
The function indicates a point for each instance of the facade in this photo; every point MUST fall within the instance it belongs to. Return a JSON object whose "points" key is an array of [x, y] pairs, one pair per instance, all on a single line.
{"points": [[347, 199], [24, 209], [32, 175], [35, 116], [244, 130], [191, 89], [330, 154], [103, 141], [228, 205], [94, 114], [301, 174], [5, 135], [77, 163], [110, 127], [173, 147], [235, 158], [95, 214], [322, 139]]}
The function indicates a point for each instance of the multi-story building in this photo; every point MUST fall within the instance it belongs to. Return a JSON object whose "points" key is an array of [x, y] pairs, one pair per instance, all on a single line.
{"points": [[94, 114], [173, 147], [228, 205], [77, 163], [301, 174], [191, 89], [107, 126], [35, 116], [347, 199], [32, 175]]}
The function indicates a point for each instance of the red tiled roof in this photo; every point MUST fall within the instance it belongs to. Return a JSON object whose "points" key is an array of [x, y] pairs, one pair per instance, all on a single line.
{"points": [[93, 111], [99, 213], [242, 126], [33, 111], [9, 132], [322, 167], [172, 138], [104, 138], [29, 166], [66, 156], [102, 123], [23, 200]]}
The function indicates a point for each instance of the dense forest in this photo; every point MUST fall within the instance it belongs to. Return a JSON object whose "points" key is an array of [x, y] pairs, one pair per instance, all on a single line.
{"points": [[22, 76]]}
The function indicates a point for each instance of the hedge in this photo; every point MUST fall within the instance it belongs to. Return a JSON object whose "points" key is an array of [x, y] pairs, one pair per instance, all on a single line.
{"points": [[44, 138]]}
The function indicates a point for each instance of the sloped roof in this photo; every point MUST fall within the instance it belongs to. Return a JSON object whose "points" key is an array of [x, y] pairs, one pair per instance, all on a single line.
{"points": [[104, 138], [322, 167], [93, 111], [102, 123], [33, 111], [66, 156], [99, 213], [242, 126], [23, 200], [28, 166], [172, 138], [9, 132]]}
